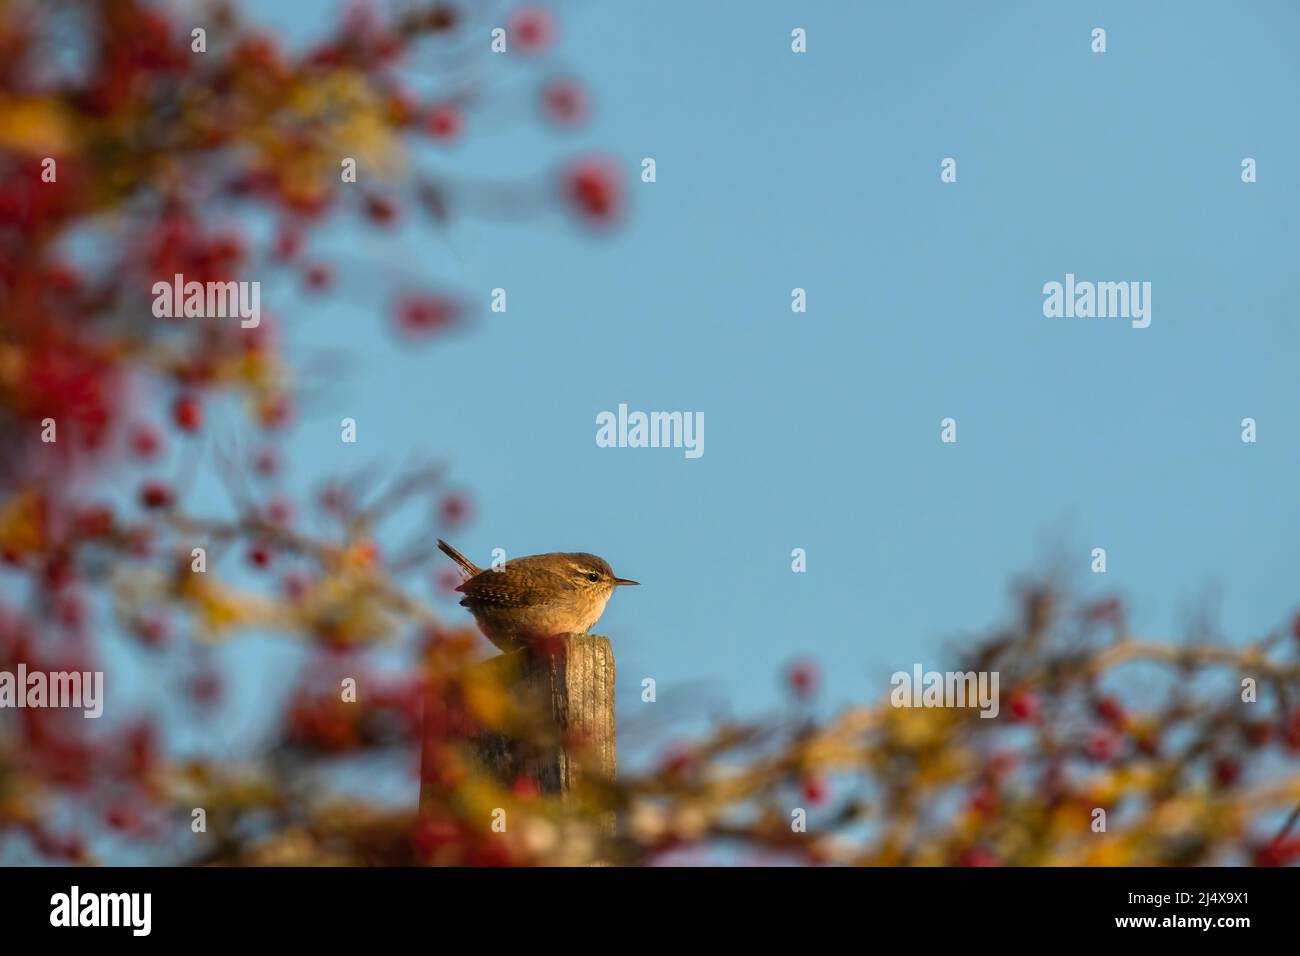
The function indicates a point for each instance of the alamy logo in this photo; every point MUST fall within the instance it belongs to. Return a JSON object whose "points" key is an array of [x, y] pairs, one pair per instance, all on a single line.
{"points": [[103, 909], [213, 300], [651, 430], [950, 689], [75, 689], [1100, 300]]}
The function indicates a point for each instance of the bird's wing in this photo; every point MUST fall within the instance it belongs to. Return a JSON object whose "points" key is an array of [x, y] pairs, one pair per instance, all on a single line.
{"points": [[503, 589]]}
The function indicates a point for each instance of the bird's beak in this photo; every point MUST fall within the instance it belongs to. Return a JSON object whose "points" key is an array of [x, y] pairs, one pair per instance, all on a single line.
{"points": [[625, 581]]}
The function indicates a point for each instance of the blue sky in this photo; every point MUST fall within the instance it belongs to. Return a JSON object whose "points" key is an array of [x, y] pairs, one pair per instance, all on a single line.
{"points": [[821, 171]]}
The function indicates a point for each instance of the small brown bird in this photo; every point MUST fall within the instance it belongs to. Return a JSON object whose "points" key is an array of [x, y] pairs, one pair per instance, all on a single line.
{"points": [[535, 597]]}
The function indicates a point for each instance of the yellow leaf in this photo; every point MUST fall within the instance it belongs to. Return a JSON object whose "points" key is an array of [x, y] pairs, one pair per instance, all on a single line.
{"points": [[486, 700], [34, 125], [22, 523]]}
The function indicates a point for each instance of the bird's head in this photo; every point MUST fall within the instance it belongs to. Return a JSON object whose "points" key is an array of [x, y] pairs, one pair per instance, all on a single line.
{"points": [[592, 574]]}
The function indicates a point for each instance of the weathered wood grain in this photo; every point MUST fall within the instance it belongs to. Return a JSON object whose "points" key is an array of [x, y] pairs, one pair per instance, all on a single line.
{"points": [[561, 729], [568, 691]]}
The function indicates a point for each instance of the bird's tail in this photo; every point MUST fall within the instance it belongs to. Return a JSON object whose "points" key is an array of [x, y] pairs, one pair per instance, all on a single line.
{"points": [[468, 566]]}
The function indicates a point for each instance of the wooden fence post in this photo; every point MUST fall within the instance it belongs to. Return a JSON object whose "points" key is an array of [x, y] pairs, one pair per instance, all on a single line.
{"points": [[572, 688], [567, 691]]}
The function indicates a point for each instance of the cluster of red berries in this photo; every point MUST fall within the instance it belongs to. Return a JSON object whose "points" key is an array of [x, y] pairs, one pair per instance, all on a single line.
{"points": [[322, 721]]}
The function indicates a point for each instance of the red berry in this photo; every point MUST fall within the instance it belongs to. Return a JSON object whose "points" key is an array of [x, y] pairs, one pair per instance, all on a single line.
{"points": [[1226, 771], [63, 278], [276, 412], [334, 499], [423, 315], [266, 462], [1024, 706], [454, 509], [152, 631], [259, 556], [676, 762], [1258, 732], [1108, 610], [814, 790], [70, 610], [95, 521], [288, 243], [593, 188], [1279, 852], [526, 788], [279, 511], [121, 817], [72, 849], [261, 51], [139, 542], [227, 249], [564, 102], [1000, 764], [155, 494], [1291, 732], [388, 46], [803, 678], [318, 277], [205, 687], [444, 122], [984, 802], [381, 210], [145, 441], [532, 29], [489, 854], [1102, 745], [430, 835], [58, 571], [187, 413], [978, 856], [1109, 710]]}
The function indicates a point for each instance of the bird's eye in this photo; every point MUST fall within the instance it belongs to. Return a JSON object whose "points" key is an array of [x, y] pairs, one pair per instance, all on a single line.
{"points": [[593, 577]]}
